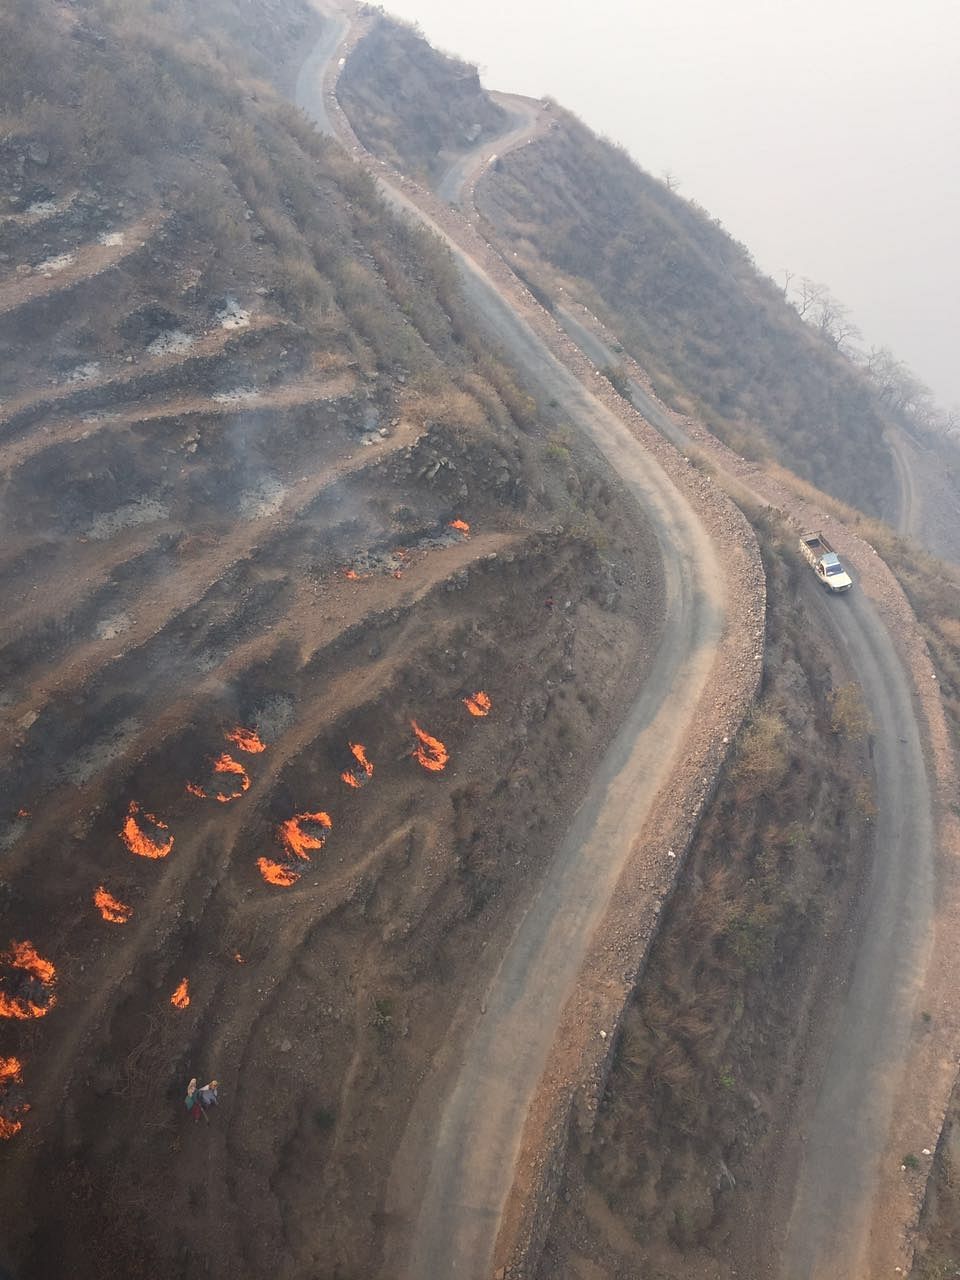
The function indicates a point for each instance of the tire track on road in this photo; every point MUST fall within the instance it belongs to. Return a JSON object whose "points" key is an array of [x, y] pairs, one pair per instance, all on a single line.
{"points": [[452, 1217]]}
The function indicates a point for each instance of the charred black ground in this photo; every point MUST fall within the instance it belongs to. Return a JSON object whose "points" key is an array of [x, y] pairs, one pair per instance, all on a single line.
{"points": [[232, 380]]}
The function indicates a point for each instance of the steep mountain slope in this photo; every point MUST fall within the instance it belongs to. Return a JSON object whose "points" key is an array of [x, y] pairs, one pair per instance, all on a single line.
{"points": [[584, 223], [262, 485], [828, 1228], [392, 87]]}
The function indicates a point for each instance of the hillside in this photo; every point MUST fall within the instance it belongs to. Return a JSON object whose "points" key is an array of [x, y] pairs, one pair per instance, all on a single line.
{"points": [[688, 1168], [268, 501], [339, 604], [412, 106], [585, 223]]}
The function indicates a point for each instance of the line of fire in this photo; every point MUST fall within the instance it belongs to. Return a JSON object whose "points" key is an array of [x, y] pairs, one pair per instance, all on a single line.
{"points": [[28, 980]]}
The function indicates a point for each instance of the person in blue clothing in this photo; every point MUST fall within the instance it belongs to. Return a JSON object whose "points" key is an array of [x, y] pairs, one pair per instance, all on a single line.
{"points": [[209, 1095]]}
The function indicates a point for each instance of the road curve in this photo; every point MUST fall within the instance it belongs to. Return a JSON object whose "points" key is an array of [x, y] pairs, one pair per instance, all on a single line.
{"points": [[309, 91], [481, 1117], [928, 483], [848, 1107], [525, 122]]}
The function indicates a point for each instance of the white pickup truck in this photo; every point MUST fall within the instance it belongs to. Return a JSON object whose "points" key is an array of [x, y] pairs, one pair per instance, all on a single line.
{"points": [[825, 562]]}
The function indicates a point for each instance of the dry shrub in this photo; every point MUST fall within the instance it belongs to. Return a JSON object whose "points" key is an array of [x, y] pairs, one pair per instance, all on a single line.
{"points": [[761, 762], [848, 712], [445, 405]]}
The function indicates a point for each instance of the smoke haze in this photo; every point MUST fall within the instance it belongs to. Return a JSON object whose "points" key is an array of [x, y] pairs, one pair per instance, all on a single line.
{"points": [[824, 135]]}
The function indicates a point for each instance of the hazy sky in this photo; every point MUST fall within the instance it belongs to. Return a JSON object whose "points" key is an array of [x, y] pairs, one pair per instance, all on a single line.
{"points": [[824, 134]]}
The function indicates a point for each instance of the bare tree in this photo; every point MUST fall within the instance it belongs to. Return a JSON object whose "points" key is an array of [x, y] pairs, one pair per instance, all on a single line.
{"points": [[834, 321], [809, 295]]}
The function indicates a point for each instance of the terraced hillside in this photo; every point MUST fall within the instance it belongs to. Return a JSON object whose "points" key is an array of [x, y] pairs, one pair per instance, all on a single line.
{"points": [[274, 517]]}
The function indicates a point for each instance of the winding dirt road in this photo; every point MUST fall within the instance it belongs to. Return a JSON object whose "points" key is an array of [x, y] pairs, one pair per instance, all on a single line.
{"points": [[847, 1216], [928, 509], [527, 120], [452, 1217], [848, 1106]]}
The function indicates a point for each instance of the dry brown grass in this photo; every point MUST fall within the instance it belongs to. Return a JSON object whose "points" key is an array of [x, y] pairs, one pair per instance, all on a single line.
{"points": [[688, 303], [714, 1017]]}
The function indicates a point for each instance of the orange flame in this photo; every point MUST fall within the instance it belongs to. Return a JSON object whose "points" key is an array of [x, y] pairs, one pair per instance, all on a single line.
{"points": [[111, 908], [11, 1073], [41, 975], [361, 771], [9, 1127], [299, 842], [277, 873], [24, 813], [461, 526], [136, 839], [226, 765], [181, 997], [479, 704], [239, 958], [351, 575], [431, 752], [247, 740]]}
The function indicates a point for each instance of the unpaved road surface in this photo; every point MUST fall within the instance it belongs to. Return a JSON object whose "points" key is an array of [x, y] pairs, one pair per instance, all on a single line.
{"points": [[833, 1201], [309, 92], [929, 507], [847, 1105], [846, 1114], [526, 122], [504, 1057], [482, 1115]]}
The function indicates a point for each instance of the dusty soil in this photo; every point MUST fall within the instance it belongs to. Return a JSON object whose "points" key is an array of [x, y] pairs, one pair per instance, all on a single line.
{"points": [[672, 1180], [181, 502], [905, 962], [938, 1250], [614, 951], [914, 974]]}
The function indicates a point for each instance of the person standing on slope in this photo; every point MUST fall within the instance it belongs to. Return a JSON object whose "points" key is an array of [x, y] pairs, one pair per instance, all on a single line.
{"points": [[193, 1101], [209, 1095]]}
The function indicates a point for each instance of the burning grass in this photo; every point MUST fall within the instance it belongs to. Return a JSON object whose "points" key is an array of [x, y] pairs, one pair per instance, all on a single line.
{"points": [[301, 835], [361, 772], [429, 751], [181, 997], [229, 781], [390, 561], [304, 834], [112, 909], [12, 1106], [278, 873], [26, 983], [142, 833], [246, 740], [478, 704]]}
